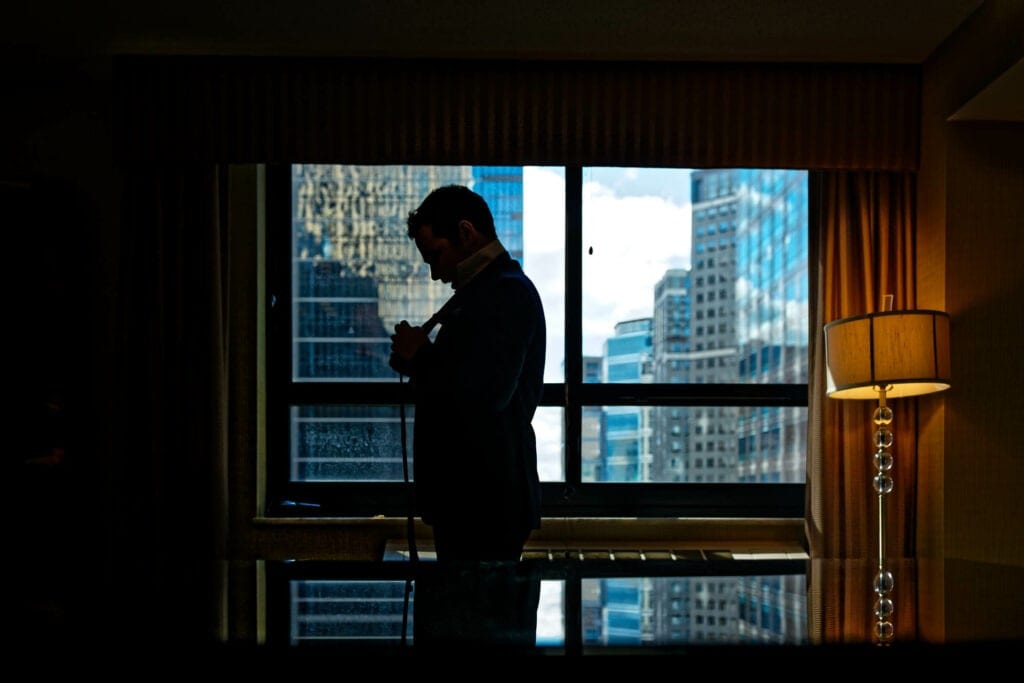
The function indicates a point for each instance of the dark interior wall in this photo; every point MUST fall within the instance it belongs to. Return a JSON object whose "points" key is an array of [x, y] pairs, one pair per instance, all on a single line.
{"points": [[58, 199], [984, 470], [971, 238]]}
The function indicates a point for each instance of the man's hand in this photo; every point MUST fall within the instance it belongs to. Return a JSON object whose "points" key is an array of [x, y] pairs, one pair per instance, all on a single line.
{"points": [[405, 342]]}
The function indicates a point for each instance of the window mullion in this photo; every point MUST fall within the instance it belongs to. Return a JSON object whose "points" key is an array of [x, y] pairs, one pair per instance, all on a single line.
{"points": [[573, 323]]}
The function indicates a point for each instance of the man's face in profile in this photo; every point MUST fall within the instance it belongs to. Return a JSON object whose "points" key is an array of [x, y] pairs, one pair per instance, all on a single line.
{"points": [[439, 253]]}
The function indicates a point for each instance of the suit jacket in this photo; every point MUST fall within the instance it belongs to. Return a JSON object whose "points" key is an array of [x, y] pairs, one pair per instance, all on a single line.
{"points": [[476, 391]]}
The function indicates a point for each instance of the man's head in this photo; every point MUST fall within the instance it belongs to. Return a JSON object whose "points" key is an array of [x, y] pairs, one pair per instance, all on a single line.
{"points": [[452, 223]]}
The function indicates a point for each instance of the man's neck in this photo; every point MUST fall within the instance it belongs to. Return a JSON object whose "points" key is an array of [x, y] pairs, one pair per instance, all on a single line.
{"points": [[470, 266]]}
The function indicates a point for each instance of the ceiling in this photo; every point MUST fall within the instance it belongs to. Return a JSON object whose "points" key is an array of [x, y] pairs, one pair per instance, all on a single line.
{"points": [[836, 31], [867, 31]]}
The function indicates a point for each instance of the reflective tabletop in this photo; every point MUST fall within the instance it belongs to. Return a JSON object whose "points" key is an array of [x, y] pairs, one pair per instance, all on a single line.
{"points": [[557, 606], [578, 603]]}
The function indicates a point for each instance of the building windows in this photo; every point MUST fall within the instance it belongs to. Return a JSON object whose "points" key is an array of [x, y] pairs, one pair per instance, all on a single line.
{"points": [[621, 382]]}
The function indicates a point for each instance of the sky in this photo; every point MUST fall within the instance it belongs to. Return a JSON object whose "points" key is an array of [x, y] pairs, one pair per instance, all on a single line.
{"points": [[636, 225]]}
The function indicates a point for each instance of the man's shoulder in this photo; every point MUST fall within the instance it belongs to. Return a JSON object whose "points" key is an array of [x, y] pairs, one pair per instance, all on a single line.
{"points": [[505, 268], [513, 275]]}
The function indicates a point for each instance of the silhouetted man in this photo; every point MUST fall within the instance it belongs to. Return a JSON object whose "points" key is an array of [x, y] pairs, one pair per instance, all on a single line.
{"points": [[476, 386]]}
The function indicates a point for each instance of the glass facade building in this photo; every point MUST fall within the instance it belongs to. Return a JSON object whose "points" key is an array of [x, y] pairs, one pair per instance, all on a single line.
{"points": [[736, 314], [626, 444], [355, 275]]}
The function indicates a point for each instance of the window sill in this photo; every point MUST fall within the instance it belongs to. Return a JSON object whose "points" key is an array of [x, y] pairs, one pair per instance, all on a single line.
{"points": [[367, 537]]}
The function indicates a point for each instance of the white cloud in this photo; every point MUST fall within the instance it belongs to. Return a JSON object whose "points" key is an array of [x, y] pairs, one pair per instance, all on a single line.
{"points": [[544, 210], [544, 257], [637, 224], [629, 243]]}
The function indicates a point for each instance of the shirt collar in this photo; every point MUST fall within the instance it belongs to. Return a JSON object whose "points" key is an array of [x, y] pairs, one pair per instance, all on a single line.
{"points": [[470, 267]]}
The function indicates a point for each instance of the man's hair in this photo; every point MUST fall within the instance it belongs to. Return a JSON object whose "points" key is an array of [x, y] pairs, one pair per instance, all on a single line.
{"points": [[445, 206]]}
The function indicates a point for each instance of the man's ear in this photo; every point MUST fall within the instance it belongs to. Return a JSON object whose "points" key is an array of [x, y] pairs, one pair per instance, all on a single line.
{"points": [[467, 232]]}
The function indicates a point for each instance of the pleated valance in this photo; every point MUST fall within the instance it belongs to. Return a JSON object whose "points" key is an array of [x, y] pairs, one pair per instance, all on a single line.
{"points": [[365, 111]]}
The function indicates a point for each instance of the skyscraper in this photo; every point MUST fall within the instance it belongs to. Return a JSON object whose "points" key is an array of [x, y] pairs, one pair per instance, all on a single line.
{"points": [[738, 315], [626, 444], [672, 359], [356, 274]]}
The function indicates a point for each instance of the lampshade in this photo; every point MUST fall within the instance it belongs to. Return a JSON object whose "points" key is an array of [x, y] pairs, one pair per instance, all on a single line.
{"points": [[905, 352]]}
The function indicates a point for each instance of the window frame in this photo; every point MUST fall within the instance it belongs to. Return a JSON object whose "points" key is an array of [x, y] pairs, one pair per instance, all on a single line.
{"points": [[571, 498]]}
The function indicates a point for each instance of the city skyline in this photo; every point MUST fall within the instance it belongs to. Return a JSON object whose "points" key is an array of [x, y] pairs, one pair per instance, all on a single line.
{"points": [[688, 277], [358, 273]]}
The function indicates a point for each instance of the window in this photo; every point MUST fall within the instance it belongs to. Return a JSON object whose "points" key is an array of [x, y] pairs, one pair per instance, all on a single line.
{"points": [[612, 251]]}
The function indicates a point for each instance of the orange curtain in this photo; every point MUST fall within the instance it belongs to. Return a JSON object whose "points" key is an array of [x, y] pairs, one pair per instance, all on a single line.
{"points": [[864, 240]]}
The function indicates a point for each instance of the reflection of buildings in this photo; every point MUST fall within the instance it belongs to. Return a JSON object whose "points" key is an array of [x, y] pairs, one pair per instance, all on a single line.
{"points": [[356, 274], [624, 617], [615, 611], [369, 611], [592, 610], [354, 216], [339, 332], [697, 609], [772, 609]]}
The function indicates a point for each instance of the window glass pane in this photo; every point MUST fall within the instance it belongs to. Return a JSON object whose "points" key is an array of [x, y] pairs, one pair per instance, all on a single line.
{"points": [[695, 277], [723, 444], [363, 443], [689, 277], [548, 425], [350, 442], [355, 272], [544, 255], [636, 231]]}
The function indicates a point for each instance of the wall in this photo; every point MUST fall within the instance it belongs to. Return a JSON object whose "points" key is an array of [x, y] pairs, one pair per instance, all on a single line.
{"points": [[56, 153], [971, 243]]}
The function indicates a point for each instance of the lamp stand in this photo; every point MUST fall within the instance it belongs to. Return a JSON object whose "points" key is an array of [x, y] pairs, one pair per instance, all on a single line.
{"points": [[888, 354], [882, 482]]}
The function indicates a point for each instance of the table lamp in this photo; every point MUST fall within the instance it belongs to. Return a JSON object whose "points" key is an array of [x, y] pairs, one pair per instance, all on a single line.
{"points": [[879, 356]]}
